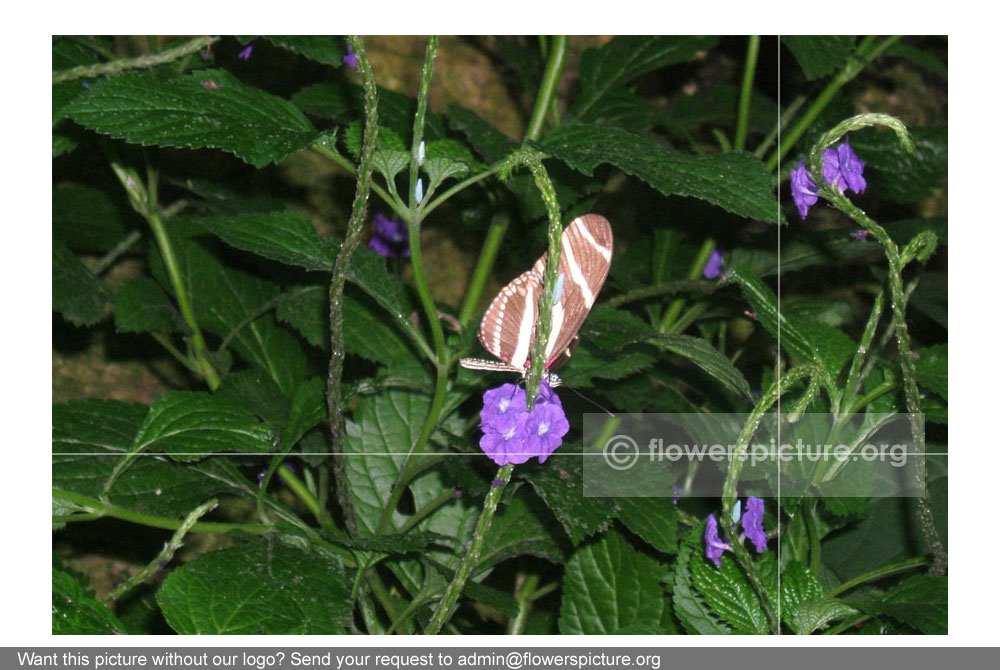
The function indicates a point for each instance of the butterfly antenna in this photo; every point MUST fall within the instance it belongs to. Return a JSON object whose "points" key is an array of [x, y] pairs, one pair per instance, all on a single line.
{"points": [[592, 402]]}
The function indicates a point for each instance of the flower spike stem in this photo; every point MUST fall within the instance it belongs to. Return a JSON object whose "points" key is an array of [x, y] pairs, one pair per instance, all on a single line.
{"points": [[147, 61], [352, 239], [446, 606], [548, 193]]}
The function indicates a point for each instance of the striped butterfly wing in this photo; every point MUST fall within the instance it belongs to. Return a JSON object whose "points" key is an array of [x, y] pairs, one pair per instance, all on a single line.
{"points": [[584, 262], [508, 327]]}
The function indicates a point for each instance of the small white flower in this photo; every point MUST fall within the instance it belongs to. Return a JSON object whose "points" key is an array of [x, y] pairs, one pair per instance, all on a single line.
{"points": [[420, 153], [420, 190]]}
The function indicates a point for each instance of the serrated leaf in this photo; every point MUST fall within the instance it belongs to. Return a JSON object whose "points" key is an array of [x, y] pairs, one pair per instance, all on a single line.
{"points": [[625, 58], [207, 109], [484, 138], [609, 586], [141, 306], [308, 409], [729, 595], [708, 358], [90, 437], [586, 367], [519, 528], [390, 162], [367, 334], [62, 145], [76, 293], [387, 140], [285, 237], [900, 175], [266, 587], [805, 607], [932, 369], [74, 612], [86, 219], [920, 602], [306, 309], [320, 48], [368, 272], [655, 520], [189, 425], [735, 181], [689, 607], [396, 543], [228, 303], [810, 340], [819, 55], [559, 482]]}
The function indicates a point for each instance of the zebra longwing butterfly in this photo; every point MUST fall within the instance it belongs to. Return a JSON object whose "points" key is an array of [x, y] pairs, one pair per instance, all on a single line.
{"points": [[508, 327]]}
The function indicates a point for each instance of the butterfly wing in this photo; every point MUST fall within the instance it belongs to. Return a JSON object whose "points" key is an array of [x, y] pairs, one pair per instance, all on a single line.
{"points": [[584, 262], [508, 327]]}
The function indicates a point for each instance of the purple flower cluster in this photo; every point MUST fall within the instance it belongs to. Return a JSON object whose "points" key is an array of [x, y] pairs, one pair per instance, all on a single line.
{"points": [[351, 59], [512, 434], [842, 169], [391, 239], [753, 529]]}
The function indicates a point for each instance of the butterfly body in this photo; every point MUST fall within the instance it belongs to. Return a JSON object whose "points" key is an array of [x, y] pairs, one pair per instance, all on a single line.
{"points": [[510, 323]]}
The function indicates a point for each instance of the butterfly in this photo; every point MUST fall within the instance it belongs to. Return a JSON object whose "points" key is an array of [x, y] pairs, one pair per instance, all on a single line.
{"points": [[508, 327]]}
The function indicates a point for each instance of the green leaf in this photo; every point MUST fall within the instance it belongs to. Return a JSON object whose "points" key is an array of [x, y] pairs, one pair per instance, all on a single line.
{"points": [[708, 358], [931, 296], [390, 162], [919, 57], [735, 181], [485, 139], [587, 367], [811, 340], [320, 48], [86, 219], [189, 425], [805, 607], [819, 55], [368, 272], [76, 293], [141, 306], [207, 109], [286, 237], [903, 176], [520, 527], [729, 595], [306, 309], [262, 588], [367, 334], [623, 59], [559, 482], [689, 607], [62, 145], [75, 612], [932, 369], [229, 303], [307, 411], [920, 602], [652, 519], [609, 586]]}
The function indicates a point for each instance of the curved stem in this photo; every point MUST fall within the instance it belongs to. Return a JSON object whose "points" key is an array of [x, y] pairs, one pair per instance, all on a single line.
{"points": [[340, 269], [149, 60], [481, 273], [866, 52], [879, 573], [549, 86]]}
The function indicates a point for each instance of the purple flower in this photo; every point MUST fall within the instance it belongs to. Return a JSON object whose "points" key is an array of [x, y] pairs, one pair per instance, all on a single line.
{"points": [[676, 491], [351, 59], [545, 427], [713, 545], [842, 169], [753, 524], [245, 53], [803, 189], [391, 239], [860, 235], [713, 268], [511, 434]]}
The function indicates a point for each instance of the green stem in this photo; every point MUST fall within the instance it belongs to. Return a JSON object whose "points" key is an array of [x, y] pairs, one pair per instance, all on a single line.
{"points": [[787, 115], [878, 573], [300, 490], [866, 52], [418, 118], [147, 61], [864, 346], [556, 60], [109, 258], [697, 266], [106, 509], [484, 266], [166, 555], [341, 266], [394, 204], [446, 606], [746, 92]]}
